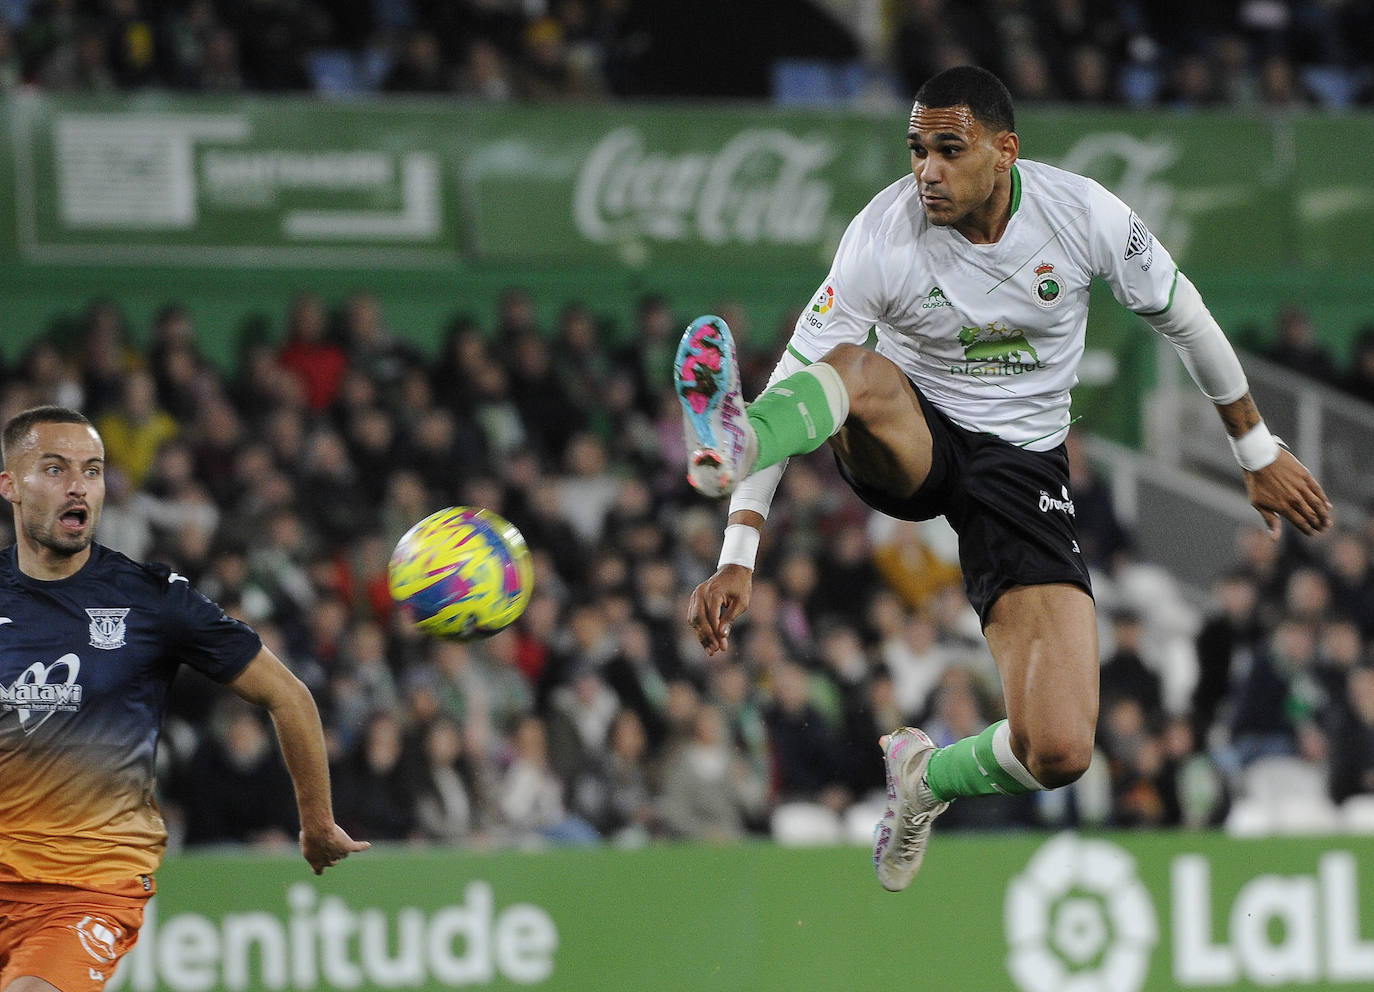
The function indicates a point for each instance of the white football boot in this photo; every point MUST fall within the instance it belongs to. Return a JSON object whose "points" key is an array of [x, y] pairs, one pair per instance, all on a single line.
{"points": [[721, 443], [901, 836]]}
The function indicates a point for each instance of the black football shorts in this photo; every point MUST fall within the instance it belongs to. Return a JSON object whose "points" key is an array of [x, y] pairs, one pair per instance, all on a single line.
{"points": [[1011, 508]]}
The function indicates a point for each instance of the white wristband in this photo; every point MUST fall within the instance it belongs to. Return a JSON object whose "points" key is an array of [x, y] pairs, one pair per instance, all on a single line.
{"points": [[741, 546], [1256, 448]]}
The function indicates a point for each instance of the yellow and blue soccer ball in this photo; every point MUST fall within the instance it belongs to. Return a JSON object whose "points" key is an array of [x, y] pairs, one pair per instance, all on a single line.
{"points": [[462, 573]]}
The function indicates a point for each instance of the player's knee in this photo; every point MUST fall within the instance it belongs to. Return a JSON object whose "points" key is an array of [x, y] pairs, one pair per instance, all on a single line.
{"points": [[863, 372], [1059, 760]]}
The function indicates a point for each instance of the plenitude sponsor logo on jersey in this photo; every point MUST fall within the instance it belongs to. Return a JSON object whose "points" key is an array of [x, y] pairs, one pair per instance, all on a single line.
{"points": [[324, 942], [760, 187], [996, 349], [1079, 916]]}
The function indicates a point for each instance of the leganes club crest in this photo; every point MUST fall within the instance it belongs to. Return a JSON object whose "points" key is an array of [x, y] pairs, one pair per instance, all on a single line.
{"points": [[107, 628]]}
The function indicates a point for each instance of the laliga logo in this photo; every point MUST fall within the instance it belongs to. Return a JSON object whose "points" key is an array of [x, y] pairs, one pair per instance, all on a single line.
{"points": [[1078, 918]]}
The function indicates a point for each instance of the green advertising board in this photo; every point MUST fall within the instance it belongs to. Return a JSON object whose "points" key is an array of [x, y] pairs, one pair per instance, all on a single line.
{"points": [[304, 184], [1069, 912], [230, 205]]}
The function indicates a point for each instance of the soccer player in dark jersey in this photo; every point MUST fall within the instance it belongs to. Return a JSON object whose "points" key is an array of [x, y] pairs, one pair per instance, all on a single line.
{"points": [[89, 644]]}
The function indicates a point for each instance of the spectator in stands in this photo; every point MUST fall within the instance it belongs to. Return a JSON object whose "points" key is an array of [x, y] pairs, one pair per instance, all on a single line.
{"points": [[547, 72], [709, 791], [1143, 794], [1297, 349], [449, 805], [1360, 381], [615, 792], [1101, 535], [308, 354], [235, 787], [1190, 85], [1273, 712], [79, 65], [1124, 673], [44, 375], [1226, 646], [804, 749], [220, 68], [106, 356], [176, 363], [11, 67], [1352, 581], [1352, 763], [580, 715], [485, 75], [532, 796], [1279, 84], [136, 428], [371, 791], [420, 67], [372, 346]]}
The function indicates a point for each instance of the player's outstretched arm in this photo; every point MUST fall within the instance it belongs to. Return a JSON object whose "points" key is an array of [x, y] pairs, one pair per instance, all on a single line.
{"points": [[719, 601], [270, 684], [1279, 486]]}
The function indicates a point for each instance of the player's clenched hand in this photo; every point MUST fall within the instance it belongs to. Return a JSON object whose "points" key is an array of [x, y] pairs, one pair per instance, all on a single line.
{"points": [[717, 603], [325, 850], [1284, 488]]}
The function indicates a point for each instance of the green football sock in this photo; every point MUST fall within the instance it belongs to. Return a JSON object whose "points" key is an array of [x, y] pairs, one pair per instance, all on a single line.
{"points": [[798, 414], [979, 766]]}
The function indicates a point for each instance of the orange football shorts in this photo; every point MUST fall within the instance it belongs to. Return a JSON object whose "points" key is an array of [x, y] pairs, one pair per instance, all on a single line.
{"points": [[67, 936]]}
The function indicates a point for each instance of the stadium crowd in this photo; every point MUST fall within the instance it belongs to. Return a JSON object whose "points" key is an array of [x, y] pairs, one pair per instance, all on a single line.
{"points": [[281, 487], [1270, 53]]}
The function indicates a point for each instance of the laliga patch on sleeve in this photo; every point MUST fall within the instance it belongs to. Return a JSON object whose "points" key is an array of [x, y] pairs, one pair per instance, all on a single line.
{"points": [[816, 316]]}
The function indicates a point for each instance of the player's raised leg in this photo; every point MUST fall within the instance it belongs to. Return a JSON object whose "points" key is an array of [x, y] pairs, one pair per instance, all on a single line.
{"points": [[725, 442], [721, 444]]}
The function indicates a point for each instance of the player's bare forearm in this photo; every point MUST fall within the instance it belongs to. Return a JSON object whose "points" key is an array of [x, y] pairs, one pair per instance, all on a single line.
{"points": [[720, 600], [751, 517], [1284, 488], [268, 683], [1239, 416]]}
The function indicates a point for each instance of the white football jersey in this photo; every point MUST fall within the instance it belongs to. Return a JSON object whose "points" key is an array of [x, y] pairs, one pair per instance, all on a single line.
{"points": [[992, 334]]}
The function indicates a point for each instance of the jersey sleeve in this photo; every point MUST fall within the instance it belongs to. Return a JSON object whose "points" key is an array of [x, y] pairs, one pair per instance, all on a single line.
{"points": [[1127, 255], [851, 299], [203, 636]]}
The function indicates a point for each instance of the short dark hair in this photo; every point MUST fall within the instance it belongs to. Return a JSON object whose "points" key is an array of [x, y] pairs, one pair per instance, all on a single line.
{"points": [[970, 86], [21, 423]]}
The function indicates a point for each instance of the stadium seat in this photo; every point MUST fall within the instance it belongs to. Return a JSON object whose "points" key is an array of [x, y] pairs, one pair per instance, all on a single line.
{"points": [[1249, 818], [1332, 85], [332, 72], [860, 819], [1139, 85], [807, 83], [803, 824], [372, 68], [1283, 796], [1357, 814]]}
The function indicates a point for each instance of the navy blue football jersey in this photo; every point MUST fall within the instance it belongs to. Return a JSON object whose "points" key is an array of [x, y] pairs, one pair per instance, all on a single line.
{"points": [[86, 664]]}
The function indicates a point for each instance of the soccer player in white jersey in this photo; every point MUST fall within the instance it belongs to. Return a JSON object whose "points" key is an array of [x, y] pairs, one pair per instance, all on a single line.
{"points": [[974, 270]]}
